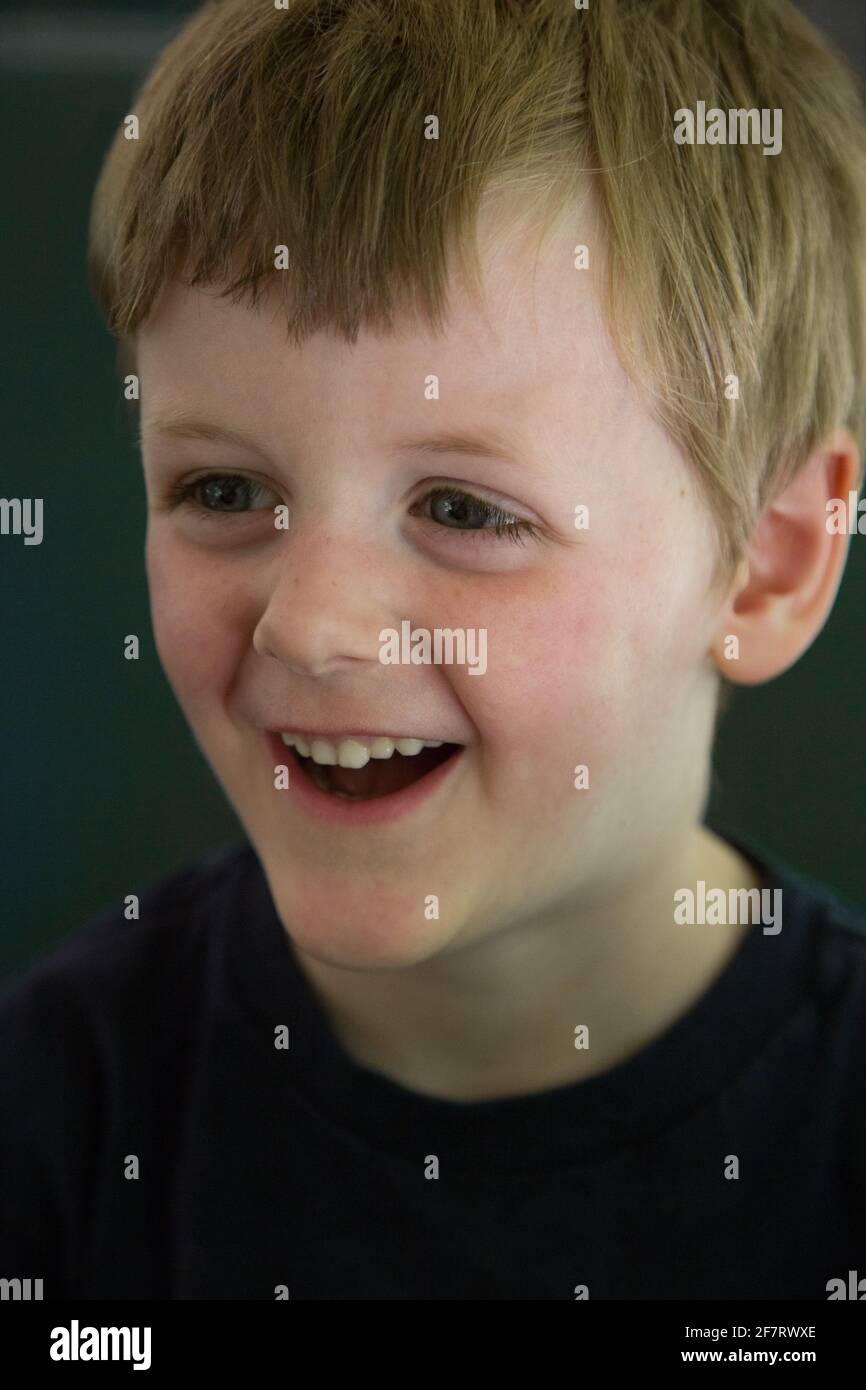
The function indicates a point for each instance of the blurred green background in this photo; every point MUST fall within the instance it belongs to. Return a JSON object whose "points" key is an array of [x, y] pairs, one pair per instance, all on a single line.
{"points": [[104, 789]]}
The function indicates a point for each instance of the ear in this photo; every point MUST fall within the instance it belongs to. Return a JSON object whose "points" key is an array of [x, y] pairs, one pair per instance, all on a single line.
{"points": [[784, 589]]}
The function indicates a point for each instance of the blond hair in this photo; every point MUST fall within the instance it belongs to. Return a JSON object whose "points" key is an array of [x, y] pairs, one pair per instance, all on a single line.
{"points": [[306, 126]]}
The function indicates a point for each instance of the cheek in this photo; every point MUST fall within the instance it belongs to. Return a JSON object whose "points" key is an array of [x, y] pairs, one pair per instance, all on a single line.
{"points": [[198, 624], [581, 659], [548, 640]]}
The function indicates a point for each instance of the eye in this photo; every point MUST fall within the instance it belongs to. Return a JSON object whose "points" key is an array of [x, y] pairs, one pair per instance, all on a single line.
{"points": [[221, 493], [456, 510]]}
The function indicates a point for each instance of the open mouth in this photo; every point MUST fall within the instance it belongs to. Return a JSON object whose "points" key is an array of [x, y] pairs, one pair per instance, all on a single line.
{"points": [[380, 777]]}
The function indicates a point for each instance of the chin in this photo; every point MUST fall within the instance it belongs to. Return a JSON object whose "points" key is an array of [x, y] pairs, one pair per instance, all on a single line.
{"points": [[379, 931]]}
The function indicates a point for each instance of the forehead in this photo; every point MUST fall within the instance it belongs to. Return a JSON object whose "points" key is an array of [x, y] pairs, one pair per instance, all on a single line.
{"points": [[532, 342]]}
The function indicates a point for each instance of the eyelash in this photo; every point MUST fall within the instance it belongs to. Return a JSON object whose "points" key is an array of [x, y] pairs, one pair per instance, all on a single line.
{"points": [[504, 523]]}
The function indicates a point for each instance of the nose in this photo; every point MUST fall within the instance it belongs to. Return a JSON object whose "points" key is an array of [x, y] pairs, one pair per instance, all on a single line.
{"points": [[323, 612]]}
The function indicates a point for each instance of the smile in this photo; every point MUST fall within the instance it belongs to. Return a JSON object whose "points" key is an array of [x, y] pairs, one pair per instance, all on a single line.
{"points": [[363, 778]]}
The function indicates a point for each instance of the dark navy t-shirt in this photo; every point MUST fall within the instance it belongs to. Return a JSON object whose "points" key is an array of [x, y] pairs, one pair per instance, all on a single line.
{"points": [[155, 1143]]}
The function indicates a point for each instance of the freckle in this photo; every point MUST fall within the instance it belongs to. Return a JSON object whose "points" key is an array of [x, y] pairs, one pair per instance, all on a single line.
{"points": [[682, 492]]}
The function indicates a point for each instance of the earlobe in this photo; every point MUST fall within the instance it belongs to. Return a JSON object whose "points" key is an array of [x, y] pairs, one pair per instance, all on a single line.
{"points": [[785, 586]]}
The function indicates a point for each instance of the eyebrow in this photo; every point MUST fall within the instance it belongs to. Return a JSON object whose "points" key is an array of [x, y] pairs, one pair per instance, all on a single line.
{"points": [[189, 427], [478, 444]]}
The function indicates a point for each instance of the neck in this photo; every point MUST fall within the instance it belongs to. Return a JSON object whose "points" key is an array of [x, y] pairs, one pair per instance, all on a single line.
{"points": [[497, 1017]]}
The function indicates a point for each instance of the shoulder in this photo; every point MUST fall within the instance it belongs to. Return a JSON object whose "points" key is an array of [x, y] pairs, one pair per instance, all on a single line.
{"points": [[806, 973], [826, 946], [117, 964], [821, 926], [833, 926], [96, 1037]]}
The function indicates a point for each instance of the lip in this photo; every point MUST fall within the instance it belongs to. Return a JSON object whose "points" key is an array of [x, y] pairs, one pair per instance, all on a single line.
{"points": [[334, 810], [365, 735]]}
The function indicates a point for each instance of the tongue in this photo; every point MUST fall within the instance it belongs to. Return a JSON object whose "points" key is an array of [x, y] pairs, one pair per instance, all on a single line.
{"points": [[382, 776]]}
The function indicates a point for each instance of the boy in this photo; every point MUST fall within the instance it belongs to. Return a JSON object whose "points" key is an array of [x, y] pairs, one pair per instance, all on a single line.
{"points": [[448, 560]]}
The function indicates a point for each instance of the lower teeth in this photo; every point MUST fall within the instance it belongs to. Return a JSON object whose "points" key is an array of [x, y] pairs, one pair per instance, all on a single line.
{"points": [[321, 775], [322, 781]]}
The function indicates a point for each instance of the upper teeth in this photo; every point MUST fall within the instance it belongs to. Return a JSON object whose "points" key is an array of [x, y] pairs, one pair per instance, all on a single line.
{"points": [[351, 752]]}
